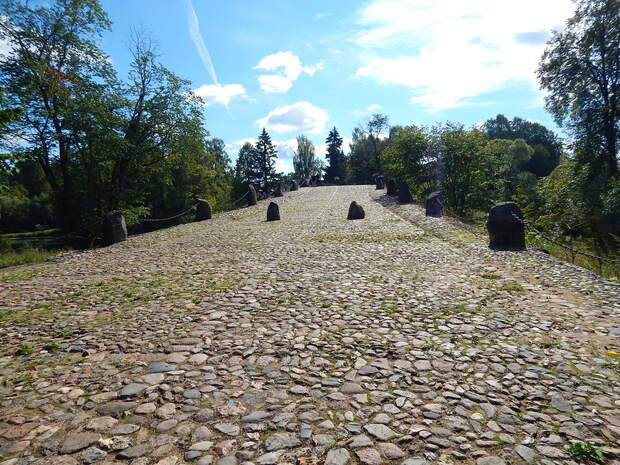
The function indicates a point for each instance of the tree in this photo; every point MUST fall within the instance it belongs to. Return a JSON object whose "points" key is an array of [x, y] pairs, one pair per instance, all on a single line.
{"points": [[469, 180], [265, 161], [373, 128], [407, 158], [7, 114], [336, 169], [547, 146], [580, 70], [363, 161], [246, 168], [305, 163], [53, 71]]}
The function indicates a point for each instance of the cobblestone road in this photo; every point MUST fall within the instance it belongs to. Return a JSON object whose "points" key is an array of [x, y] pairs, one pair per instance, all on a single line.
{"points": [[395, 339]]}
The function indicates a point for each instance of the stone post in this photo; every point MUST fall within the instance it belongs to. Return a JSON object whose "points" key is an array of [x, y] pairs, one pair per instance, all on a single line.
{"points": [[273, 212], [380, 183], [114, 227], [278, 191], [506, 228], [391, 187], [434, 204], [203, 210], [404, 193], [294, 186], [356, 212]]}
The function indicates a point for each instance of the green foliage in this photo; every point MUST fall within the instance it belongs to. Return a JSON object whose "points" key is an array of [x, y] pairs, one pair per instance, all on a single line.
{"points": [[470, 170], [546, 145], [408, 158], [586, 452], [24, 349], [265, 153], [91, 142], [25, 256], [336, 170], [580, 70], [305, 162]]}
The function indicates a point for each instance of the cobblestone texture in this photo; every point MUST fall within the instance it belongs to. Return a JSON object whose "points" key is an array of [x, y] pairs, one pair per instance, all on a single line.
{"points": [[394, 339]]}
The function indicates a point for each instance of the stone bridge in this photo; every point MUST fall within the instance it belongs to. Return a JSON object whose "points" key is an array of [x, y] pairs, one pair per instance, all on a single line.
{"points": [[395, 339]]}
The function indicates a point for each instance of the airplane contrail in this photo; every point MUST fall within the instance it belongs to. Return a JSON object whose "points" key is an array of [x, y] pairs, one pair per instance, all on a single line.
{"points": [[194, 32]]}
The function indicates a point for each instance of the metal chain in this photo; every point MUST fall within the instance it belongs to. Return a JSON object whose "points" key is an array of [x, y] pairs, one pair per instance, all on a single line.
{"points": [[154, 220], [559, 244]]}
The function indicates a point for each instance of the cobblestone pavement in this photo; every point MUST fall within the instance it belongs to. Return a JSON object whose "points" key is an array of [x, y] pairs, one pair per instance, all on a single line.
{"points": [[394, 339]]}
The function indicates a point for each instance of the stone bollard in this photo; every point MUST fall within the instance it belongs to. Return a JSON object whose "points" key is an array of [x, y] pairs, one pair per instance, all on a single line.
{"points": [[278, 191], [356, 212], [391, 187], [273, 212], [434, 204], [251, 196], [404, 194], [203, 210], [505, 226], [114, 227], [380, 183], [294, 186]]}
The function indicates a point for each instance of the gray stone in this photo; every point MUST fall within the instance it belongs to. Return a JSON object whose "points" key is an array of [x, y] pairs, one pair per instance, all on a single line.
{"points": [[404, 193], [256, 417], [251, 196], [338, 456], [75, 442], [132, 390], [227, 428], [160, 367], [92, 455], [280, 441], [135, 451], [490, 460], [381, 432], [369, 456], [525, 453], [114, 227]]}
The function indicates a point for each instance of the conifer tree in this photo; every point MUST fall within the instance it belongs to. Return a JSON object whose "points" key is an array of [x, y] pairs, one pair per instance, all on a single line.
{"points": [[265, 153], [335, 170]]}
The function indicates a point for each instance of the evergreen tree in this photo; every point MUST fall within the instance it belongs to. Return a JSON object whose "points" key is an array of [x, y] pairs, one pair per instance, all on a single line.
{"points": [[265, 155], [335, 170]]}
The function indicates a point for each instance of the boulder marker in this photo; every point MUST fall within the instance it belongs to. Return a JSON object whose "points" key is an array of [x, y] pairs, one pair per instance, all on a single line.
{"points": [[404, 193], [203, 210], [391, 187], [356, 212], [114, 227], [273, 212], [434, 204], [505, 226]]}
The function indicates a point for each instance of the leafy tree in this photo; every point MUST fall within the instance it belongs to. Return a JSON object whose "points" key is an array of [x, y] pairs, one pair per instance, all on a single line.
{"points": [[305, 163], [469, 181], [246, 169], [362, 161], [547, 146], [407, 158], [336, 169], [266, 155], [373, 128], [7, 114], [580, 70], [52, 72]]}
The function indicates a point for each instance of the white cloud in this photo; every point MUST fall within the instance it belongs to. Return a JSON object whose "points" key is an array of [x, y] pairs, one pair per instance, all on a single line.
{"points": [[287, 68], [374, 107], [298, 117], [455, 50], [274, 83], [218, 94], [322, 15]]}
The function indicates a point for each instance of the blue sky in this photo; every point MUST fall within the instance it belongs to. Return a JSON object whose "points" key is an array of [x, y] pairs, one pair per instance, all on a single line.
{"points": [[303, 67]]}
